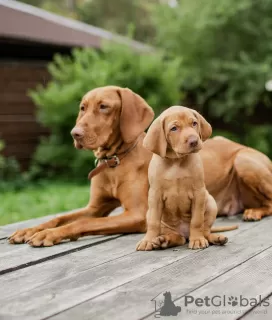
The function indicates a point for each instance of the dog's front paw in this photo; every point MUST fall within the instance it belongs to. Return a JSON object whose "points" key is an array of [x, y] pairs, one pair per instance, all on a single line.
{"points": [[22, 236], [144, 245], [198, 243], [45, 238]]}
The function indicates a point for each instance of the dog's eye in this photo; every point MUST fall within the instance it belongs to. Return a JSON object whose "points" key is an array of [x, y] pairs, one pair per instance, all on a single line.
{"points": [[82, 108], [103, 106], [194, 124], [174, 128]]}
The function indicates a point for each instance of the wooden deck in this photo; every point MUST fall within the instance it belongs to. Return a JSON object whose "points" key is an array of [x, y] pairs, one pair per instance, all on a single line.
{"points": [[105, 278]]}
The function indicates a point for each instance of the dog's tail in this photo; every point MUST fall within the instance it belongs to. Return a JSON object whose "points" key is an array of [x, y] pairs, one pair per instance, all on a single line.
{"points": [[224, 228]]}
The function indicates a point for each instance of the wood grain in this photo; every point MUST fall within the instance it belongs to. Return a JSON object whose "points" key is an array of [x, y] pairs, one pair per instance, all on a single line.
{"points": [[131, 277]]}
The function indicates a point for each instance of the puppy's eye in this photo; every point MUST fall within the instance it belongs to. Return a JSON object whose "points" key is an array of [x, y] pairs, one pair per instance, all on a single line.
{"points": [[103, 106], [174, 128], [82, 108], [194, 124]]}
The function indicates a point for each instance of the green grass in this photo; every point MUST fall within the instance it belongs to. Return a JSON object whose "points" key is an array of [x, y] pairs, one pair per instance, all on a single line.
{"points": [[40, 200]]}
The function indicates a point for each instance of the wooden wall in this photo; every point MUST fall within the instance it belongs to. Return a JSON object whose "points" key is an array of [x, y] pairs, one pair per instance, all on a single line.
{"points": [[18, 125]]}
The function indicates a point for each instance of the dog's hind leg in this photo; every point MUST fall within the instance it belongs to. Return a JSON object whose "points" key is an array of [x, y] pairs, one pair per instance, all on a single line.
{"points": [[168, 240], [254, 171]]}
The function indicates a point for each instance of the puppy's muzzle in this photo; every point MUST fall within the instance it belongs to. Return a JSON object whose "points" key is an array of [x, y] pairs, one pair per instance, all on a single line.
{"points": [[192, 141]]}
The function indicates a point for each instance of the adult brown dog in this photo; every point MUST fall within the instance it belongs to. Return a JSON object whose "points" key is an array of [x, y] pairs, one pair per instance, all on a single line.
{"points": [[112, 118], [111, 121], [179, 205]]}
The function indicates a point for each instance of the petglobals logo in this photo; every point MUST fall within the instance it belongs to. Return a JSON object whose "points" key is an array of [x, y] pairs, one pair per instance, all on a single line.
{"points": [[225, 301], [178, 306]]}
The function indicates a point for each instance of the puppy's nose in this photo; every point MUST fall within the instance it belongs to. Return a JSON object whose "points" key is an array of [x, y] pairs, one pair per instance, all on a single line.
{"points": [[77, 133], [192, 141]]}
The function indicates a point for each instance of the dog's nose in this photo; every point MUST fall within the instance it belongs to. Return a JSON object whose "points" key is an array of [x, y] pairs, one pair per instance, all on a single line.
{"points": [[77, 133], [192, 141]]}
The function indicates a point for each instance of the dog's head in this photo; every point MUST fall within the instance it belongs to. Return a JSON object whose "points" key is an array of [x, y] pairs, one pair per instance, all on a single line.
{"points": [[178, 131], [108, 114]]}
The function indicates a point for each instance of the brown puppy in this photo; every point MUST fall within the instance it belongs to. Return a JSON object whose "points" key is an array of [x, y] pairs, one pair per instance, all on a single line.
{"points": [[180, 207], [111, 121]]}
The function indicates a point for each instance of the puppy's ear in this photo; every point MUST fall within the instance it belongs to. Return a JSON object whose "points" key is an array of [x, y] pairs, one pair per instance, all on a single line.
{"points": [[155, 140], [136, 115], [205, 127]]}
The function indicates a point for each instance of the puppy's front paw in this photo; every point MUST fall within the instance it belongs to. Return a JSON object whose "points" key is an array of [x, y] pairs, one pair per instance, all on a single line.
{"points": [[198, 243], [45, 238], [144, 245], [22, 236]]}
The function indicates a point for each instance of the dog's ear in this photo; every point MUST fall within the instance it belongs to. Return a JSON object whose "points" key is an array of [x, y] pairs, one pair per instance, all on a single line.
{"points": [[136, 115], [205, 127], [155, 140]]}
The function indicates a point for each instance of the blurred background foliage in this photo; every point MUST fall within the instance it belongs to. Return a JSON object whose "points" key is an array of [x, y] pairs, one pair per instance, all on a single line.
{"points": [[213, 55], [226, 59]]}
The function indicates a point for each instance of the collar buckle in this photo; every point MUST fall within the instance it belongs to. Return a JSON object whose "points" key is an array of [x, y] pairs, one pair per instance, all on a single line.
{"points": [[109, 161], [116, 161]]}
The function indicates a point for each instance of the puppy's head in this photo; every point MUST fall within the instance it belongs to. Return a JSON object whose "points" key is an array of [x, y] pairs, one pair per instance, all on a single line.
{"points": [[108, 114], [178, 131]]}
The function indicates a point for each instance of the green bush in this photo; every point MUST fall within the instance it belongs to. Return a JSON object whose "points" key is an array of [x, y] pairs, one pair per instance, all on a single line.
{"points": [[10, 176], [226, 59], [148, 74]]}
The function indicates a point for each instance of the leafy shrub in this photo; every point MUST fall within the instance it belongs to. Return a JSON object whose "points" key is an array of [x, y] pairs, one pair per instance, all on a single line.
{"points": [[226, 59], [148, 74], [10, 175]]}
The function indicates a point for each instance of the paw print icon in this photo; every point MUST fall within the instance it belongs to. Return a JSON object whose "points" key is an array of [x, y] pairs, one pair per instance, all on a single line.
{"points": [[233, 301]]}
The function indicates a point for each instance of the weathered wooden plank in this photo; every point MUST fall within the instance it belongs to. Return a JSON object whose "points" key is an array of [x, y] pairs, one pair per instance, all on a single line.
{"points": [[260, 312], [248, 283], [132, 299], [30, 127], [22, 256], [133, 279], [67, 266], [19, 256]]}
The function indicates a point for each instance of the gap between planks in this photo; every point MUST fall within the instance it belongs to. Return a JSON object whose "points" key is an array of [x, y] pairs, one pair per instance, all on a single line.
{"points": [[57, 255]]}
